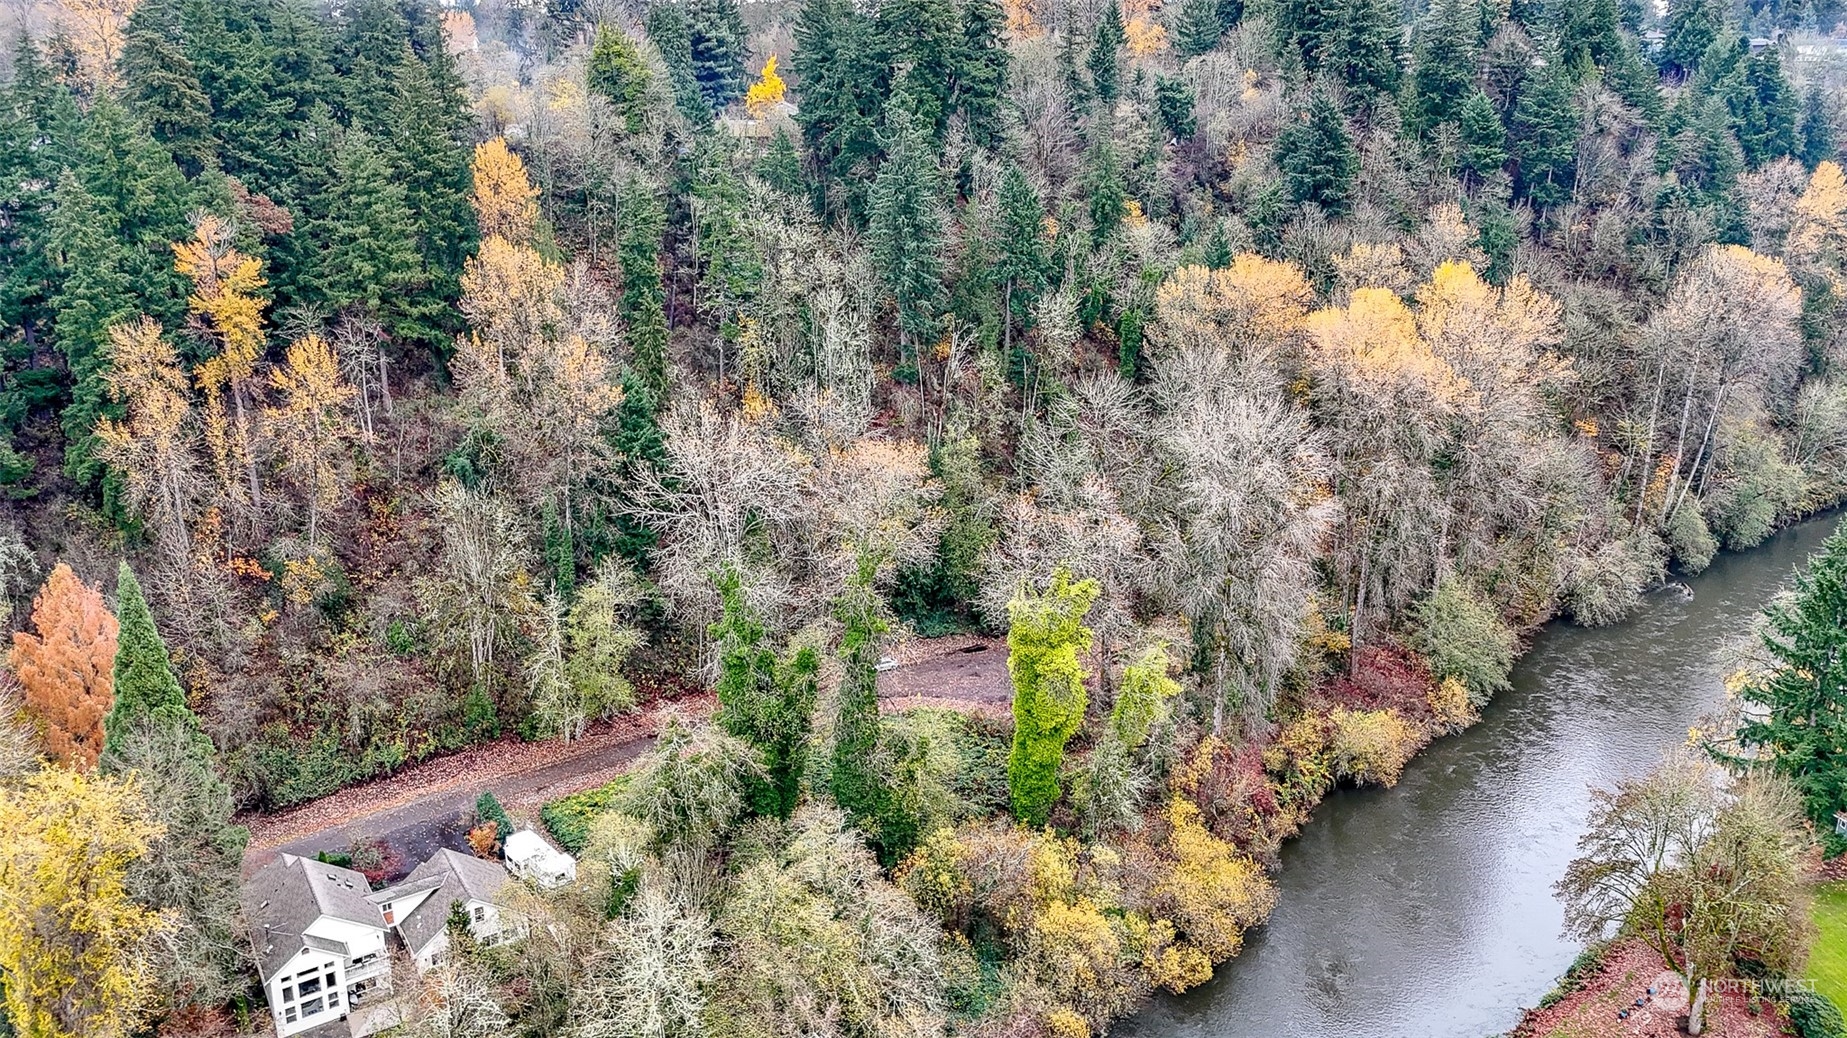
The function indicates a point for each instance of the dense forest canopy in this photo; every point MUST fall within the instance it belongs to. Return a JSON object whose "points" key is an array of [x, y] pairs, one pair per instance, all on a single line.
{"points": [[1261, 368]]}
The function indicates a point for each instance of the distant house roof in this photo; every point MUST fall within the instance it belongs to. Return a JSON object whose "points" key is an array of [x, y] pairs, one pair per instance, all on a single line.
{"points": [[458, 878], [286, 896]]}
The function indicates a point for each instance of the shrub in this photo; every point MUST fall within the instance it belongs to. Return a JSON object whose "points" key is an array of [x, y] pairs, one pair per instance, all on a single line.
{"points": [[1604, 586], [1464, 638], [484, 840], [1690, 539], [1813, 1016], [569, 818], [1212, 893], [1371, 746], [1451, 706], [488, 809]]}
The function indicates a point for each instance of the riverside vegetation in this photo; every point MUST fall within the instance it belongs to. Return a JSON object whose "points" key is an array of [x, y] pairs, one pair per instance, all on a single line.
{"points": [[1260, 370]]}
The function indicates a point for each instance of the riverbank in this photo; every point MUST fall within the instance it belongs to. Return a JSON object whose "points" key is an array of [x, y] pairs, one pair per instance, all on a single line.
{"points": [[1426, 910], [1622, 991]]}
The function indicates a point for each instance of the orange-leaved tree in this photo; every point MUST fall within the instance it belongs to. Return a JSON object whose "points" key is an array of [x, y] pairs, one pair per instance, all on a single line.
{"points": [[65, 669]]}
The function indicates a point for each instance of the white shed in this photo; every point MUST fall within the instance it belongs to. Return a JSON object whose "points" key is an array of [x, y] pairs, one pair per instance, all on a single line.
{"points": [[530, 857]]}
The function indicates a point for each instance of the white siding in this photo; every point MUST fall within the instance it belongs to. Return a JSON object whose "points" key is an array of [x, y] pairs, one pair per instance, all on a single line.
{"points": [[309, 991]]}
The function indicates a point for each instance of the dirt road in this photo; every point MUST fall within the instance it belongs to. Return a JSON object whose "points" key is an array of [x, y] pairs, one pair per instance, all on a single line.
{"points": [[429, 804]]}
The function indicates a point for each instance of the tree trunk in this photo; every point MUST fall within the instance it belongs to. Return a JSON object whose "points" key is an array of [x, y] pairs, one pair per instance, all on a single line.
{"points": [[1697, 1011]]}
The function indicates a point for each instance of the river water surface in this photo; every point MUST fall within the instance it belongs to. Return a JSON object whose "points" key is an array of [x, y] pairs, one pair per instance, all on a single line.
{"points": [[1426, 910]]}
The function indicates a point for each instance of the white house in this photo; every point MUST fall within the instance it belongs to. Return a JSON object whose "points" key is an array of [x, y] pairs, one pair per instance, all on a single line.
{"points": [[319, 934], [530, 857]]}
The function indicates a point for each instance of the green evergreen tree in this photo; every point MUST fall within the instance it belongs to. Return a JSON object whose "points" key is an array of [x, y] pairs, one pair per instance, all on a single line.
{"points": [[1590, 36], [781, 166], [1045, 637], [1484, 139], [263, 64], [365, 240], [841, 82], [917, 43], [1173, 105], [431, 153], [1692, 26], [717, 37], [1447, 47], [1805, 734], [1361, 49], [764, 701], [643, 302], [1077, 88], [1103, 186], [1632, 77], [905, 233], [1817, 131], [1545, 136], [163, 87], [981, 70], [38, 118], [1764, 109], [1317, 158], [147, 692], [668, 27], [1303, 29], [1104, 63], [1024, 265], [94, 293], [617, 72], [1197, 28], [639, 445]]}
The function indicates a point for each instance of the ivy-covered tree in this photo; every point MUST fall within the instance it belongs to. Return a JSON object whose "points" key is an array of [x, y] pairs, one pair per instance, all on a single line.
{"points": [[765, 701], [617, 72], [855, 781], [1045, 637]]}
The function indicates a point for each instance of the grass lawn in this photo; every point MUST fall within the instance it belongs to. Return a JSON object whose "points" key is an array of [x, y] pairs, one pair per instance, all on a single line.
{"points": [[1828, 962]]}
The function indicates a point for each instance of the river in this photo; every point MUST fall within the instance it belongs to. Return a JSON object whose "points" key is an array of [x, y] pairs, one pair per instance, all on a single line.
{"points": [[1426, 910]]}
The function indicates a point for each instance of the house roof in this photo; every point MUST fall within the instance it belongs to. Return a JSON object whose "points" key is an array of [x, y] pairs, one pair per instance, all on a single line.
{"points": [[461, 878], [285, 898]]}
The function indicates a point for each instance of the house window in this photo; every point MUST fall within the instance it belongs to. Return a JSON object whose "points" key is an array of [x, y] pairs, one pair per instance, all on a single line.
{"points": [[333, 998], [288, 1015], [310, 986], [311, 1007], [288, 993], [480, 913]]}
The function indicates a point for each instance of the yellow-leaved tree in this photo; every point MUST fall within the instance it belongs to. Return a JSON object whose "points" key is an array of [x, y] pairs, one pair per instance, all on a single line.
{"points": [[152, 447], [766, 93], [75, 949], [227, 312], [505, 201], [310, 424]]}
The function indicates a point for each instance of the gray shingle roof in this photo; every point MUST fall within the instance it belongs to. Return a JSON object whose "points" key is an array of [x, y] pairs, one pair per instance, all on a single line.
{"points": [[462, 878], [286, 896]]}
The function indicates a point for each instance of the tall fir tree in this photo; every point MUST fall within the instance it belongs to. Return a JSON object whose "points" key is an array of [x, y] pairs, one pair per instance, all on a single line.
{"points": [[364, 241], [1545, 136], [1362, 48], [1104, 62], [1817, 130], [1483, 139], [147, 692], [917, 42], [1764, 109], [1316, 156], [430, 146], [981, 70], [1447, 48], [642, 305], [163, 87], [717, 37], [1197, 28], [1103, 184], [1024, 265], [1805, 732], [905, 232], [1173, 107], [1635, 79], [95, 292], [1691, 27], [671, 32]]}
